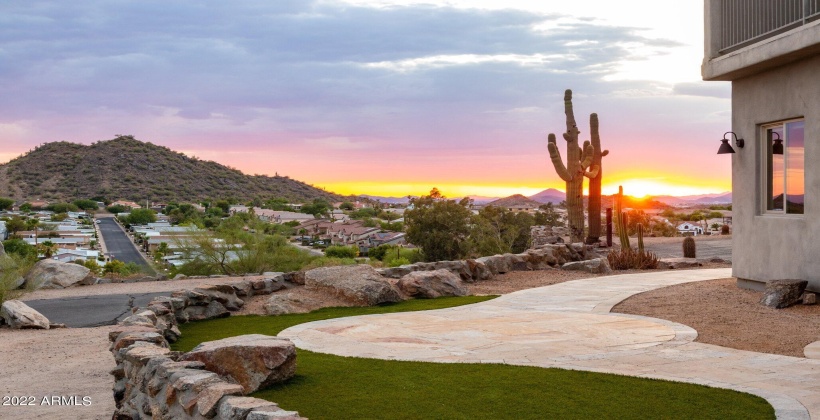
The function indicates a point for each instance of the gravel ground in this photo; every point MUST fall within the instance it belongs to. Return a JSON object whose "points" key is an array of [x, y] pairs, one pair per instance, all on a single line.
{"points": [[713, 246], [728, 316], [63, 363]]}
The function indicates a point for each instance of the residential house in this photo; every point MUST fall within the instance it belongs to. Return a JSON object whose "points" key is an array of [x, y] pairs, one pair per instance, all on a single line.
{"points": [[381, 238], [273, 216], [770, 52], [71, 255], [690, 228], [128, 204]]}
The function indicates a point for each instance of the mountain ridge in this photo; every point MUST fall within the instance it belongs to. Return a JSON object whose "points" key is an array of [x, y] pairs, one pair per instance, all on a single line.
{"points": [[130, 169]]}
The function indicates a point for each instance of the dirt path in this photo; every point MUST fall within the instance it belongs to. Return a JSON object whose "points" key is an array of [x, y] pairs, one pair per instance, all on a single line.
{"points": [[71, 362]]}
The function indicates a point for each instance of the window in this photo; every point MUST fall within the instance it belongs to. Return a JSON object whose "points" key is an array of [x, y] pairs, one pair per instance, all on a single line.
{"points": [[784, 175]]}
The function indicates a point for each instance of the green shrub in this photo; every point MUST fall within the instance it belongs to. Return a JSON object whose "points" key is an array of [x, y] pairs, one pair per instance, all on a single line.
{"points": [[120, 268], [337, 251], [412, 255], [21, 248], [12, 267], [398, 262], [378, 252]]}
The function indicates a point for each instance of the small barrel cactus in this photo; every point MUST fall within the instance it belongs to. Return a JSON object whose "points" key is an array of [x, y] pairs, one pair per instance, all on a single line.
{"points": [[689, 247]]}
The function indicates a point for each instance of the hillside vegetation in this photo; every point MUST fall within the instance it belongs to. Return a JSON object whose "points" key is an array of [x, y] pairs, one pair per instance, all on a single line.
{"points": [[126, 168]]}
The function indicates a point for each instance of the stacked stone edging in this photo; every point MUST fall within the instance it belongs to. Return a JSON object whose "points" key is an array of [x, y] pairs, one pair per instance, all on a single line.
{"points": [[543, 257], [151, 381]]}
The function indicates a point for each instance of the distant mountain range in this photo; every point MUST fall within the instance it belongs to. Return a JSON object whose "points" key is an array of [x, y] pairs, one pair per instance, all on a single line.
{"points": [[551, 195], [722, 198]]}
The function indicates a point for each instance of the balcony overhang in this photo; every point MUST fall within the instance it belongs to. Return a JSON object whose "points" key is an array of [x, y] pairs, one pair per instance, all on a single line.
{"points": [[798, 43]]}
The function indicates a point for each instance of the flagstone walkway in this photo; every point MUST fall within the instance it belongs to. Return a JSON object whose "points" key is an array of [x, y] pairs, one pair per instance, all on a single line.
{"points": [[568, 325]]}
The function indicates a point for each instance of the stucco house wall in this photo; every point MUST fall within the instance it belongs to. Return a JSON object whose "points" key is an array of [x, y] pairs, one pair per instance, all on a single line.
{"points": [[774, 78], [768, 247]]}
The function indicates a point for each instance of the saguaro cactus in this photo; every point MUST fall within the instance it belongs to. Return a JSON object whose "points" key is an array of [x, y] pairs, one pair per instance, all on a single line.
{"points": [[595, 174], [573, 172], [620, 219], [640, 238]]}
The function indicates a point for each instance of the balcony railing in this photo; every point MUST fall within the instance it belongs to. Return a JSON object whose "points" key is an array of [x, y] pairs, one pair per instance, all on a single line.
{"points": [[745, 22]]}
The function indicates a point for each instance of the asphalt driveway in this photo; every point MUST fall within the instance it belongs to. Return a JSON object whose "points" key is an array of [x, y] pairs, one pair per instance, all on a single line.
{"points": [[119, 245]]}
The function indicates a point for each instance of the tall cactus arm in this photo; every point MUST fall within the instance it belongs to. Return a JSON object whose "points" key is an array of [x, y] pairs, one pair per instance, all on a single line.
{"points": [[592, 172], [555, 156], [572, 127], [585, 150], [605, 152], [587, 155]]}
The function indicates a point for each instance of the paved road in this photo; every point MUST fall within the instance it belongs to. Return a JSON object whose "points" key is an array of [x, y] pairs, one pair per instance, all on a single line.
{"points": [[119, 244], [91, 311]]}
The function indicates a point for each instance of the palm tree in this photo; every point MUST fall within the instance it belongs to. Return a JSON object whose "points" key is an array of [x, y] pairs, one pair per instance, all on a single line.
{"points": [[47, 248], [31, 224]]}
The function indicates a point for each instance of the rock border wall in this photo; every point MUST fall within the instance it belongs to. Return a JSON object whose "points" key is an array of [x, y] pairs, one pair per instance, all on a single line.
{"points": [[151, 381]]}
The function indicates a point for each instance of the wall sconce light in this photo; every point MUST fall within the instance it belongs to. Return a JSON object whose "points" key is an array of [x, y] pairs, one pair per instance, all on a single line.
{"points": [[725, 147], [777, 147]]}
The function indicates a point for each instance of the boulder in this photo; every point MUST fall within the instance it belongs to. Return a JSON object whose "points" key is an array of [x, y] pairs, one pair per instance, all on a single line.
{"points": [[460, 268], [809, 298], [53, 274], [200, 313], [290, 303], [594, 266], [207, 402], [20, 316], [673, 263], [192, 298], [139, 320], [358, 284], [243, 408], [253, 361], [479, 270], [397, 272], [432, 284], [496, 264], [517, 262], [243, 288], [267, 286], [224, 294], [17, 283], [783, 293], [295, 277], [134, 335], [180, 276]]}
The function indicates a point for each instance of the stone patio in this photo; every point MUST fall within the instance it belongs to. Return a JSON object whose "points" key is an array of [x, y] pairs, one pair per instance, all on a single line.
{"points": [[568, 325]]}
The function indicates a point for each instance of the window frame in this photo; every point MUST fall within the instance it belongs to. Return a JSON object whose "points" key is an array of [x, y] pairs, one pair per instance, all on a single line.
{"points": [[764, 173]]}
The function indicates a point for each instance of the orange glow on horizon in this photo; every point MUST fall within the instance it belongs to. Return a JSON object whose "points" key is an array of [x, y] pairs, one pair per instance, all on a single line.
{"points": [[635, 187]]}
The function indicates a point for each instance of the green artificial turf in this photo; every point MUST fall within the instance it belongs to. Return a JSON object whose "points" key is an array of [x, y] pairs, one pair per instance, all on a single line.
{"points": [[333, 387]]}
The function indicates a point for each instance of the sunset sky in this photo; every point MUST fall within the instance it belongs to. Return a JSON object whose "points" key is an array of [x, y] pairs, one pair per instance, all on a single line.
{"points": [[374, 97]]}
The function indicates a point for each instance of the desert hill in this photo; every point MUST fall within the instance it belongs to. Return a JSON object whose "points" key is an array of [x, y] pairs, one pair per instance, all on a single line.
{"points": [[515, 200], [126, 168]]}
